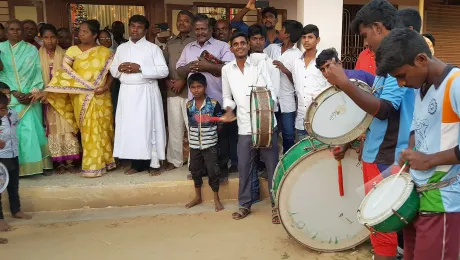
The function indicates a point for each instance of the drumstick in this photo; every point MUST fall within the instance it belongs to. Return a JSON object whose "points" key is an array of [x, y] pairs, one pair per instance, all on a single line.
{"points": [[340, 175], [393, 182], [205, 118]]}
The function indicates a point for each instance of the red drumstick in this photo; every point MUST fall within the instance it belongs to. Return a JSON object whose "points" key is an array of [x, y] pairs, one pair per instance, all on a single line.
{"points": [[206, 118], [339, 170]]}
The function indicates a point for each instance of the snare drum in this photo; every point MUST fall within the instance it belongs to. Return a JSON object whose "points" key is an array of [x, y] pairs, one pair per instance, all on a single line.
{"points": [[335, 119], [306, 193], [262, 117], [398, 208]]}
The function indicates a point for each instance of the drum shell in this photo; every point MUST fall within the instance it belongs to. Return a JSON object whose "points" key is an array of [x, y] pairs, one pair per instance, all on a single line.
{"points": [[408, 211], [262, 117]]}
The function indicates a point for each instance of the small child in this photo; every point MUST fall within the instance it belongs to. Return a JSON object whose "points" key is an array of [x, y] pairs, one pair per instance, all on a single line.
{"points": [[9, 156], [203, 139]]}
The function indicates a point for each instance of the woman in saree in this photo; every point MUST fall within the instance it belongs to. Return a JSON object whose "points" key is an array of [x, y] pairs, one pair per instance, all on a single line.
{"points": [[88, 107], [22, 73], [62, 138]]}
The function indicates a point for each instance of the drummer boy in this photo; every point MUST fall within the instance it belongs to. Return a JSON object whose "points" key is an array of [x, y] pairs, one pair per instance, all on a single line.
{"points": [[392, 107], [434, 166]]}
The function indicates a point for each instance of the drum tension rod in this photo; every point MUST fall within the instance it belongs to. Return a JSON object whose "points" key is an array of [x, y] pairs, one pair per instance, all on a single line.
{"points": [[371, 230], [400, 217]]}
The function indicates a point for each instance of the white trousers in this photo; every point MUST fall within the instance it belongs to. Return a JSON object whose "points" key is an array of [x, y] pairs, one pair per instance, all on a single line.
{"points": [[177, 123]]}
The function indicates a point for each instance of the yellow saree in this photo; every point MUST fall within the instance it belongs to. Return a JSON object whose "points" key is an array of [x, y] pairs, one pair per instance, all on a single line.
{"points": [[81, 74]]}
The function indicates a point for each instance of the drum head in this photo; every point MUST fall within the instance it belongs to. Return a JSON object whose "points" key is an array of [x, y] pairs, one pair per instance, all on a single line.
{"points": [[335, 119], [311, 208], [4, 177], [374, 209]]}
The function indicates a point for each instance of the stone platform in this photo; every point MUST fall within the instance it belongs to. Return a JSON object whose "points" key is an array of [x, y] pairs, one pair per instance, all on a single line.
{"points": [[115, 189]]}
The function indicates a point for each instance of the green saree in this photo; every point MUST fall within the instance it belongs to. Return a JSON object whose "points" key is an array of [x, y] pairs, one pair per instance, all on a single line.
{"points": [[22, 73]]}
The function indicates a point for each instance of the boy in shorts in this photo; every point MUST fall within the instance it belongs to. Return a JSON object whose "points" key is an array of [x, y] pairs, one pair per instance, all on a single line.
{"points": [[203, 139]]}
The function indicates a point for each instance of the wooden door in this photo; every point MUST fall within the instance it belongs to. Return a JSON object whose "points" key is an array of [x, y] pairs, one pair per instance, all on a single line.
{"points": [[26, 10]]}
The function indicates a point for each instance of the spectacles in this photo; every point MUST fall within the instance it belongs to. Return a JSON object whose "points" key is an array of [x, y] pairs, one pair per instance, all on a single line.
{"points": [[105, 39]]}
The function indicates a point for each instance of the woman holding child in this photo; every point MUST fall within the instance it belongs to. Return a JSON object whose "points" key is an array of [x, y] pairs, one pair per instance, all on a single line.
{"points": [[21, 72]]}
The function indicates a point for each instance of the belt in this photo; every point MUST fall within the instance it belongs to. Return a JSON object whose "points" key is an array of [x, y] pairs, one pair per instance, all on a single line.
{"points": [[436, 185]]}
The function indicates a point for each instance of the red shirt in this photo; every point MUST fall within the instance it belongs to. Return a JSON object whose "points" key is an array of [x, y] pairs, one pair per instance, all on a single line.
{"points": [[366, 61]]}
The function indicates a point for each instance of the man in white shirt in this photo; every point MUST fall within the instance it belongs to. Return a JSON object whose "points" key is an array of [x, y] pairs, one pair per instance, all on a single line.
{"points": [[140, 133], [237, 78], [283, 55], [308, 80]]}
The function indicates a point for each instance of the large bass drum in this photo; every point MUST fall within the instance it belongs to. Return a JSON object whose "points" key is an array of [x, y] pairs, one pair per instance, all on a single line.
{"points": [[306, 193], [333, 118]]}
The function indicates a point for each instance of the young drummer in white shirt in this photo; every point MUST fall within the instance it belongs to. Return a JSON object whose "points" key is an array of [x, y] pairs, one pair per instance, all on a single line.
{"points": [[237, 78]]}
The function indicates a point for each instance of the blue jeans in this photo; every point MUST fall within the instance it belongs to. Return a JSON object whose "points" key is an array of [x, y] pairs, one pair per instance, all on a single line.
{"points": [[286, 124], [301, 134]]}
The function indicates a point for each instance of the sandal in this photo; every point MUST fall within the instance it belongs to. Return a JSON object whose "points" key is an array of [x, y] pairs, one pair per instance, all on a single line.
{"points": [[3, 240], [241, 213], [275, 217]]}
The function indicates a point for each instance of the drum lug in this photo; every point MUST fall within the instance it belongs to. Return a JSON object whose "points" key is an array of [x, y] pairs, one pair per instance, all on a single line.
{"points": [[370, 230], [400, 217]]}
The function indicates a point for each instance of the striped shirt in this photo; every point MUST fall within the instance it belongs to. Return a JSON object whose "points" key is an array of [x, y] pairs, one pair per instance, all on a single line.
{"points": [[203, 135], [436, 126]]}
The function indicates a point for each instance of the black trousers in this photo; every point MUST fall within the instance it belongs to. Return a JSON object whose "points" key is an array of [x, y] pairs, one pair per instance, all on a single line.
{"points": [[140, 165], [12, 164], [228, 140], [205, 161]]}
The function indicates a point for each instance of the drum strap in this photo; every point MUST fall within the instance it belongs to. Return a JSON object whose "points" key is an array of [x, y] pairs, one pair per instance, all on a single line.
{"points": [[436, 185]]}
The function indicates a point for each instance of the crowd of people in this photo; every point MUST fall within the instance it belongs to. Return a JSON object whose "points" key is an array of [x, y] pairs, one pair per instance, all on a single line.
{"points": [[88, 104]]}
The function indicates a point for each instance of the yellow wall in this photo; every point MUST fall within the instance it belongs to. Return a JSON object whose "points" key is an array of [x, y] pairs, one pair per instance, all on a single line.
{"points": [[25, 13]]}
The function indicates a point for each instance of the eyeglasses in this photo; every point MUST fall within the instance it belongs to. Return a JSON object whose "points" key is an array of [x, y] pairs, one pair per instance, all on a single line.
{"points": [[105, 39]]}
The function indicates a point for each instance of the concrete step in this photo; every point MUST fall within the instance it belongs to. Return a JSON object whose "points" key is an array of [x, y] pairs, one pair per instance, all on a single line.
{"points": [[71, 191]]}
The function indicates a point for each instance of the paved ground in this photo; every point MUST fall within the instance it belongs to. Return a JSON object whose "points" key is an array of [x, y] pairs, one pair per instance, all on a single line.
{"points": [[153, 232]]}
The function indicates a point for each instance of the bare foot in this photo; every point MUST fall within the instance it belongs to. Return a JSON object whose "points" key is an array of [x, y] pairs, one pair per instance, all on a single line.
{"points": [[169, 167], [130, 172], [218, 205], [21, 215], [155, 171], [3, 226], [194, 202], [3, 240]]}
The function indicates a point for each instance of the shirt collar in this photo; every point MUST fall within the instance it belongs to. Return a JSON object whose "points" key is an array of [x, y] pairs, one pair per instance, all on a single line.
{"points": [[188, 35], [303, 54], [210, 41], [139, 41], [444, 74], [206, 100], [247, 62]]}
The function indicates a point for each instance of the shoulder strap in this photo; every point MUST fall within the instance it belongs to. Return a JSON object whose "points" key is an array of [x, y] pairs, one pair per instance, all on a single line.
{"points": [[448, 114]]}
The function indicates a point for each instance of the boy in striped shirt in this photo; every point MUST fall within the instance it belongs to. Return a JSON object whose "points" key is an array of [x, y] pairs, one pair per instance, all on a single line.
{"points": [[435, 133], [203, 139]]}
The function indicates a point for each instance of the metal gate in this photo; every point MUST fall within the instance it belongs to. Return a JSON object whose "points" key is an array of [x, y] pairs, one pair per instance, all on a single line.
{"points": [[352, 44]]}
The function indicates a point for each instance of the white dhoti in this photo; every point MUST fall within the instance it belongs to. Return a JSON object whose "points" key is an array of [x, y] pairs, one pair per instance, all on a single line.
{"points": [[139, 125]]}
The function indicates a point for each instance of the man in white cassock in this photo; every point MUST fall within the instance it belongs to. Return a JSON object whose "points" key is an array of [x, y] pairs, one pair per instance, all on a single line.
{"points": [[140, 134]]}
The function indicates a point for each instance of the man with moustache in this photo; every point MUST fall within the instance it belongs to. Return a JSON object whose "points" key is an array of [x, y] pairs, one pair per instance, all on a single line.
{"points": [[237, 78], [140, 134], [30, 32], [64, 38], [269, 21], [177, 95], [223, 30], [191, 62]]}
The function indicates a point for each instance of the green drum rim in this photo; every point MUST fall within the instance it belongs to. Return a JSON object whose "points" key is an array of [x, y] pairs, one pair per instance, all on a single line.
{"points": [[402, 199], [285, 163], [408, 211]]}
